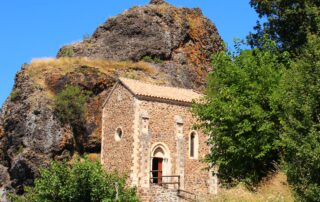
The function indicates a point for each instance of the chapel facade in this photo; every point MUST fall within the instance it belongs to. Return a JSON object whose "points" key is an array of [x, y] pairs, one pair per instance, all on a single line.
{"points": [[148, 134]]}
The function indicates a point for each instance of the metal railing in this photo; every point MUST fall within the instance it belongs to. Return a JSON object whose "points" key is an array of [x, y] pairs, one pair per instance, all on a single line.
{"points": [[160, 181]]}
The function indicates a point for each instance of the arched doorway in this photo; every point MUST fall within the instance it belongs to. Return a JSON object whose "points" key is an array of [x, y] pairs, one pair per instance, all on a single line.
{"points": [[160, 164], [157, 165]]}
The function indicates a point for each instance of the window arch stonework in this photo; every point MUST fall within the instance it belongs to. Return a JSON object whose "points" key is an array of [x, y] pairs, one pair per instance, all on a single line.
{"points": [[161, 150]]}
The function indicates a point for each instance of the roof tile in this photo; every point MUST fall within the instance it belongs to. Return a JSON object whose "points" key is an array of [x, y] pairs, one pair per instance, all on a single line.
{"points": [[161, 92]]}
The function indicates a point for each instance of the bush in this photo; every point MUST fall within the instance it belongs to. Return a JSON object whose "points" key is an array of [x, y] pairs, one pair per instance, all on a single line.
{"points": [[83, 181], [15, 95], [70, 105], [67, 52], [147, 58], [238, 116], [150, 59]]}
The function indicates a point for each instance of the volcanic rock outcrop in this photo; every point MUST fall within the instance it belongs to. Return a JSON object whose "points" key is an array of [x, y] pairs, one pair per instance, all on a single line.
{"points": [[157, 43], [182, 38]]}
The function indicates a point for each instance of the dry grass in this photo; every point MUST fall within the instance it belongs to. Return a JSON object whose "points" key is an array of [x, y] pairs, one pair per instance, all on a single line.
{"points": [[275, 189], [94, 156], [39, 68]]}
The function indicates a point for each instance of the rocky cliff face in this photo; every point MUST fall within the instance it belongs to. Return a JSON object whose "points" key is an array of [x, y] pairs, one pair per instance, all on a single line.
{"points": [[181, 37], [157, 43]]}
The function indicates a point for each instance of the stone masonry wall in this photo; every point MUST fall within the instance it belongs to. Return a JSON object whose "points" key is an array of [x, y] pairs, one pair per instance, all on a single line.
{"points": [[162, 128], [118, 113]]}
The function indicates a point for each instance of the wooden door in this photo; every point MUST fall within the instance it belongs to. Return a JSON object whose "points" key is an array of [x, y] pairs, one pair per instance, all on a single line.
{"points": [[159, 170]]}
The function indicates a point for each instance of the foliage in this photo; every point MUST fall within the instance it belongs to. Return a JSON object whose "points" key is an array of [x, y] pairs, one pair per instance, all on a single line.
{"points": [[295, 26], [299, 96], [288, 22], [150, 59], [70, 105], [83, 181], [238, 116], [15, 95], [67, 52]]}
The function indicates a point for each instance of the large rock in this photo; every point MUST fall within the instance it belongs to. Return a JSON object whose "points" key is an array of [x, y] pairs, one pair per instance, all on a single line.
{"points": [[32, 135], [28, 119], [179, 36]]}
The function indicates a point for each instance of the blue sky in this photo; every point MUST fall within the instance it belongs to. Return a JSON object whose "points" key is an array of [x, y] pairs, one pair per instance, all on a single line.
{"points": [[36, 28]]}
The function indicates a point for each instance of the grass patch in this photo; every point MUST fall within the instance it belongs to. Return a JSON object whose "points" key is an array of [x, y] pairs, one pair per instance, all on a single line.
{"points": [[39, 68], [274, 189]]}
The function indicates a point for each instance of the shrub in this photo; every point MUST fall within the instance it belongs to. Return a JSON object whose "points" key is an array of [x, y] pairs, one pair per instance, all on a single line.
{"points": [[157, 60], [70, 105], [67, 52], [150, 59], [147, 58], [15, 95], [82, 181]]}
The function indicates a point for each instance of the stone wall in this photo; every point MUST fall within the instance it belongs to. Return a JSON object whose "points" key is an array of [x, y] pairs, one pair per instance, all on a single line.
{"points": [[157, 193], [118, 113], [163, 129]]}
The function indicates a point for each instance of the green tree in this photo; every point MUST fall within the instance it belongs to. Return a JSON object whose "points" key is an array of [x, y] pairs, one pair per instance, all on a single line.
{"points": [[238, 116], [288, 22], [70, 105], [83, 181], [300, 101]]}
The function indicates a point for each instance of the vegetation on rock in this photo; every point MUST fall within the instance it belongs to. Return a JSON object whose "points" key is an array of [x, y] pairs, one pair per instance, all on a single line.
{"points": [[40, 68], [81, 181], [150, 59], [70, 105], [15, 94], [67, 52]]}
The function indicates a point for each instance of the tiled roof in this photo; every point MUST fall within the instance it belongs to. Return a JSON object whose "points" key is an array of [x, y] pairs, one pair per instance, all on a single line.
{"points": [[143, 89]]}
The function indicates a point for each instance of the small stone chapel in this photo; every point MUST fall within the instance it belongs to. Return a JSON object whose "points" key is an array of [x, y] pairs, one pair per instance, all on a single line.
{"points": [[148, 134]]}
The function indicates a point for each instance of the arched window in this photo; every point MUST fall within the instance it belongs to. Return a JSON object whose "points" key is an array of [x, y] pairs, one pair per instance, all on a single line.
{"points": [[193, 145], [119, 134], [192, 137]]}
